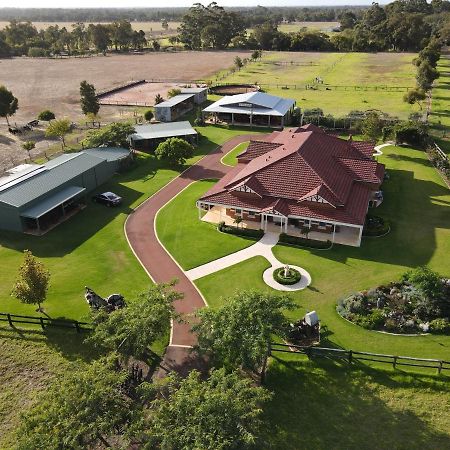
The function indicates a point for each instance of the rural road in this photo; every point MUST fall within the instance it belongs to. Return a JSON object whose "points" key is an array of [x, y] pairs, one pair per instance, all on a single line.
{"points": [[158, 263]]}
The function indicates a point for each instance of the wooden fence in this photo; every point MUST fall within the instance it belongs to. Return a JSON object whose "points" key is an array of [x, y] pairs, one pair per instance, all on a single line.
{"points": [[45, 322], [351, 356]]}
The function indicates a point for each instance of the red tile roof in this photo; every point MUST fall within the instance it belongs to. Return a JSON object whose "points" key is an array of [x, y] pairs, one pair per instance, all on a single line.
{"points": [[290, 169]]}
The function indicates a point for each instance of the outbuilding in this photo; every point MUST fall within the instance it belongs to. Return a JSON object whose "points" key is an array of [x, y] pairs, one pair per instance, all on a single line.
{"points": [[252, 108], [36, 197], [174, 107], [147, 137]]}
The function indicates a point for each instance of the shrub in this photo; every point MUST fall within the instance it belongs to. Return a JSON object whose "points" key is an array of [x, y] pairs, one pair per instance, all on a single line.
{"points": [[303, 242], [46, 115], [36, 52], [246, 232], [428, 281], [440, 326], [373, 321], [148, 115], [375, 226], [294, 276]]}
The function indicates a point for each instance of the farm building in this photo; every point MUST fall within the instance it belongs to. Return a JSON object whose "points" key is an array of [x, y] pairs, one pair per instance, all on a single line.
{"points": [[174, 108], [147, 137], [252, 108], [200, 94], [36, 197], [299, 179]]}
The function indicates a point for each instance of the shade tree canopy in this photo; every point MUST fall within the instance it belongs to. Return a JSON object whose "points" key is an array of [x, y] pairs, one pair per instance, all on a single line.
{"points": [[113, 135], [175, 151], [223, 412], [88, 99], [238, 333], [8, 103]]}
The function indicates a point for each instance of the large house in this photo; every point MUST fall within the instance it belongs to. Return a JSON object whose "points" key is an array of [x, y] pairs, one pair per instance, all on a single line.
{"points": [[252, 108], [300, 178]]}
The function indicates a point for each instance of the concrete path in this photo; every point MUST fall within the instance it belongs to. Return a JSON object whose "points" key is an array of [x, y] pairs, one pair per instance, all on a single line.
{"points": [[262, 248], [378, 148], [159, 264]]}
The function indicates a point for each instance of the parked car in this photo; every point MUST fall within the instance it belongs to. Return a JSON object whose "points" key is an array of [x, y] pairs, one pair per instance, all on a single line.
{"points": [[107, 198]]}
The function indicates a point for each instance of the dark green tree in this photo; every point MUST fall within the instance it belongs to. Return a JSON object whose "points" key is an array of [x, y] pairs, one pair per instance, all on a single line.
{"points": [[88, 99], [238, 333], [46, 115], [133, 329], [415, 96], [113, 135], [8, 104], [81, 409], [221, 413], [175, 151], [148, 115]]}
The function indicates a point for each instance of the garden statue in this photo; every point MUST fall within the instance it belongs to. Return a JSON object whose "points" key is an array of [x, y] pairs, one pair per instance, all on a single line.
{"points": [[286, 271]]}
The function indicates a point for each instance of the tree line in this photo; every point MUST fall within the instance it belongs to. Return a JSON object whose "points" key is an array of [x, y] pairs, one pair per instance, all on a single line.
{"points": [[23, 38], [404, 25]]}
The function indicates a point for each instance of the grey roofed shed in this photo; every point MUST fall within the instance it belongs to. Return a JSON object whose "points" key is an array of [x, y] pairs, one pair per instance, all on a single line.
{"points": [[175, 100], [163, 130], [52, 202]]}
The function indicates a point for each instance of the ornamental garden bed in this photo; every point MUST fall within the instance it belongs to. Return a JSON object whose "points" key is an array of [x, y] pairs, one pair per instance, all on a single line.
{"points": [[296, 241], [292, 276], [418, 303], [237, 231], [376, 226]]}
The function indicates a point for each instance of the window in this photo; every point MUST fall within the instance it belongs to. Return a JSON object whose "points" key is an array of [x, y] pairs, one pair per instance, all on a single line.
{"points": [[238, 211]]}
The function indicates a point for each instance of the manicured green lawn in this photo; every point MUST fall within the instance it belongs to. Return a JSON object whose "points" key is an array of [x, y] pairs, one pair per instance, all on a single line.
{"points": [[230, 159], [279, 69], [90, 249], [417, 204], [189, 240]]}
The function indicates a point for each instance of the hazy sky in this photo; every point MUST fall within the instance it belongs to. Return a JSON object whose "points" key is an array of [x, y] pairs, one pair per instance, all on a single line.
{"points": [[169, 3]]}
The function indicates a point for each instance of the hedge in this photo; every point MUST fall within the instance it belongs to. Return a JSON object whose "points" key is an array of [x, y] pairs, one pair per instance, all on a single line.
{"points": [[245, 232], [303, 242], [278, 276]]}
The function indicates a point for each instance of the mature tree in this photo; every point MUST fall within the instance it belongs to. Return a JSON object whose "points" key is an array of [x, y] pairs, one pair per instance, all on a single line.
{"points": [[121, 34], [32, 284], [265, 34], [372, 126], [113, 135], [8, 103], [223, 412], [133, 329], [139, 40], [347, 20], [28, 146], [256, 54], [99, 35], [426, 74], [173, 92], [88, 98], [238, 63], [415, 96], [148, 115], [46, 115], [175, 151], [81, 409], [158, 99], [59, 128], [238, 333]]}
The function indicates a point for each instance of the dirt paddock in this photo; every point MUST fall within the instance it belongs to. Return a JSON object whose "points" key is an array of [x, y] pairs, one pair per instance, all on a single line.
{"points": [[41, 83]]}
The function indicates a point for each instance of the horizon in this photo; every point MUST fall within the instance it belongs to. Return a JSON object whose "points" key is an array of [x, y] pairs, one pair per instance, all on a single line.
{"points": [[119, 4]]}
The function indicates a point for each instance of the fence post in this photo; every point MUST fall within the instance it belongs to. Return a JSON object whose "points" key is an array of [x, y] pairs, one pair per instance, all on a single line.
{"points": [[440, 367], [350, 356], [10, 321], [394, 363], [42, 323], [77, 326]]}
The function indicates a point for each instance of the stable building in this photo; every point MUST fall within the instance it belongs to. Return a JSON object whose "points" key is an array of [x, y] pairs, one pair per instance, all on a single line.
{"points": [[36, 197], [148, 137], [252, 109], [299, 179]]}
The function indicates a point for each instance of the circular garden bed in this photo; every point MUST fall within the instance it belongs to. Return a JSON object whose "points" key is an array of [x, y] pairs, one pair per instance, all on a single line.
{"points": [[418, 303], [293, 276], [233, 89], [375, 226]]}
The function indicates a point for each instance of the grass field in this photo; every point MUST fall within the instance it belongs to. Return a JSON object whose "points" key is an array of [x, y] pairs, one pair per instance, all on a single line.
{"points": [[416, 203], [230, 159], [321, 404], [278, 70], [91, 249]]}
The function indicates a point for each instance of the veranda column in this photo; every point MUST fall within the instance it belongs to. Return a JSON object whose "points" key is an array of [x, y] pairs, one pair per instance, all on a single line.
{"points": [[360, 235], [334, 232]]}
